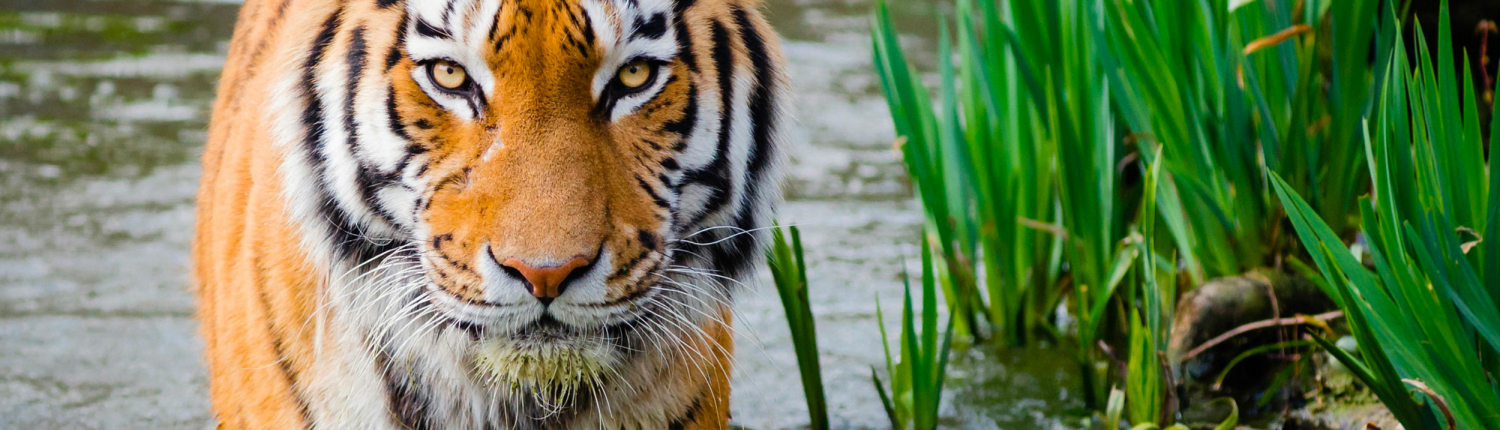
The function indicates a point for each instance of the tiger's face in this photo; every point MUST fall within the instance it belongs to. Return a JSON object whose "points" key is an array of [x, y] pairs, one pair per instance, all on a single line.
{"points": [[578, 179], [546, 125]]}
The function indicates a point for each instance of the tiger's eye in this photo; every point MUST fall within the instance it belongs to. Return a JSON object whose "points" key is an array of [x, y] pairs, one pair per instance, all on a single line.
{"points": [[448, 75], [635, 74]]}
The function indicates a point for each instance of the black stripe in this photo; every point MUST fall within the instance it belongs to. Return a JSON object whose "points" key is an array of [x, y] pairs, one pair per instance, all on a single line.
{"points": [[655, 198], [683, 126], [648, 239], [425, 28], [665, 179], [369, 178], [397, 125], [495, 25], [715, 176], [578, 44], [652, 28], [347, 244], [688, 417], [680, 6], [685, 51], [588, 27], [732, 257], [387, 3], [732, 254], [762, 102], [394, 56], [580, 41], [406, 399], [448, 14], [356, 58], [313, 128], [405, 392], [525, 13]]}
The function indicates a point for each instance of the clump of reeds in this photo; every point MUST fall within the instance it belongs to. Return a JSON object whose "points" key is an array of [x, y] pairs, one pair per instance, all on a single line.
{"points": [[920, 367], [789, 271], [1426, 318], [1231, 111]]}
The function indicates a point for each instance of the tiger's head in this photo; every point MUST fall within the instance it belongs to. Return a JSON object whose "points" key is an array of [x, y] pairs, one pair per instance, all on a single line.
{"points": [[550, 197], [542, 190]]}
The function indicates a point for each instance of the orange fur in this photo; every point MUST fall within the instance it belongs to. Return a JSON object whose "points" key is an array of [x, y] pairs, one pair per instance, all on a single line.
{"points": [[259, 286]]}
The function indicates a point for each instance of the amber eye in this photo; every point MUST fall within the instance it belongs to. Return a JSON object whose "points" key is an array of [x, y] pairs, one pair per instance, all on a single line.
{"points": [[635, 74], [448, 75]]}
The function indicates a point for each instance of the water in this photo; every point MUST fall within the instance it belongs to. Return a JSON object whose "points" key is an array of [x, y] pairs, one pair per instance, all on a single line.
{"points": [[103, 106]]}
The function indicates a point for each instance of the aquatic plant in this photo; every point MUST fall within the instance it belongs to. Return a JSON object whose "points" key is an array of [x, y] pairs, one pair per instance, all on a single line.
{"points": [[939, 169], [920, 367], [1031, 133], [1011, 165], [1426, 317], [1231, 89], [1145, 375], [1016, 165], [789, 271], [1228, 107]]}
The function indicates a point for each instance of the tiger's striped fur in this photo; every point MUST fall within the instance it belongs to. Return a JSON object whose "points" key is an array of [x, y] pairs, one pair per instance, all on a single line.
{"points": [[356, 222]]}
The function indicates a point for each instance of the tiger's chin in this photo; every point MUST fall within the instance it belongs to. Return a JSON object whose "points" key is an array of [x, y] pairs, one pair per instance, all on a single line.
{"points": [[547, 363]]}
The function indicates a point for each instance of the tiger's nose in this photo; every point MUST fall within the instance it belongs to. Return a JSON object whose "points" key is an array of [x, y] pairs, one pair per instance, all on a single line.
{"points": [[545, 282]]}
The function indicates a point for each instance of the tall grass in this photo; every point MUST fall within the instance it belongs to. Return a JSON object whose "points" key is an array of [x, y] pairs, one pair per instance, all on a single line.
{"points": [[1145, 378], [1148, 399], [920, 367], [1426, 317], [939, 169], [1229, 94], [1021, 157], [1014, 203], [789, 272], [1233, 110], [1075, 101]]}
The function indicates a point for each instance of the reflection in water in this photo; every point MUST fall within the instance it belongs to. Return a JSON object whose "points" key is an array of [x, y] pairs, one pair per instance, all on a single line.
{"points": [[103, 107]]}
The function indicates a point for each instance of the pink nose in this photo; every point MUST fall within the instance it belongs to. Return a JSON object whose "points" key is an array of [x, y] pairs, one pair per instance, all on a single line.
{"points": [[546, 283]]}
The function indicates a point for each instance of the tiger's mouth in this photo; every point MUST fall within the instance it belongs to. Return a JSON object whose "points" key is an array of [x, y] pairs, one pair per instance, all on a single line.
{"points": [[547, 360], [549, 352]]}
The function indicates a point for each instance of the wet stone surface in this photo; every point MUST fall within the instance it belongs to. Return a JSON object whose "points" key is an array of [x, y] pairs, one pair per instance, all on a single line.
{"points": [[103, 106]]}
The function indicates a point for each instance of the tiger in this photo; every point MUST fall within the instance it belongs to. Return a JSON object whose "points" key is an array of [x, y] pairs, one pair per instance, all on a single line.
{"points": [[485, 214]]}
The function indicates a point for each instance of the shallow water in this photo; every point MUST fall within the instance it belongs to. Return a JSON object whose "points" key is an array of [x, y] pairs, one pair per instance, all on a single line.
{"points": [[103, 106]]}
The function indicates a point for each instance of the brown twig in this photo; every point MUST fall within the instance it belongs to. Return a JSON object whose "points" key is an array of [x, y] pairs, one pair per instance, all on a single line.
{"points": [[1441, 404], [1109, 354], [1275, 312], [1322, 123], [1171, 404], [1319, 319], [1274, 39], [1055, 229], [1484, 29]]}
